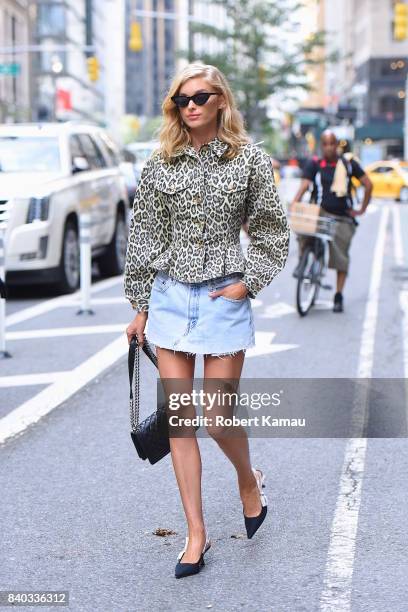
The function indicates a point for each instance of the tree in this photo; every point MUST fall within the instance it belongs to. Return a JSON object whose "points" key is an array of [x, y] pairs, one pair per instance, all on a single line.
{"points": [[261, 53]]}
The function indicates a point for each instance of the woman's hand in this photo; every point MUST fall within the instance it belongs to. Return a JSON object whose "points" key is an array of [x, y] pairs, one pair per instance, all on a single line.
{"points": [[136, 328], [236, 291]]}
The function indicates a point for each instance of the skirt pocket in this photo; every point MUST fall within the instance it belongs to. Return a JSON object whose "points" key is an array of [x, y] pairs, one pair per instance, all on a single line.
{"points": [[225, 283], [162, 282]]}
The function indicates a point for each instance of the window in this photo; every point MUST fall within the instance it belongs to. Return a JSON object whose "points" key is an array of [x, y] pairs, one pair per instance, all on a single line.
{"points": [[110, 149], [75, 148], [92, 152], [391, 104], [383, 169], [51, 20], [29, 154]]}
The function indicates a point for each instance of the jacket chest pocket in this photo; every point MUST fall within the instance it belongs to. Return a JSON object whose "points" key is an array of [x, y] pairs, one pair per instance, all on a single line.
{"points": [[228, 193], [171, 183], [176, 189], [230, 181]]}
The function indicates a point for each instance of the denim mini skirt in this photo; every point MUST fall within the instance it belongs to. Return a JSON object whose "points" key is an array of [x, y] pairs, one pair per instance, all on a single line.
{"points": [[183, 317]]}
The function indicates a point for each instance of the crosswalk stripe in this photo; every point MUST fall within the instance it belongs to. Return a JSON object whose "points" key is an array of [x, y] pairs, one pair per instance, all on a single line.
{"points": [[25, 380], [54, 332], [31, 411]]}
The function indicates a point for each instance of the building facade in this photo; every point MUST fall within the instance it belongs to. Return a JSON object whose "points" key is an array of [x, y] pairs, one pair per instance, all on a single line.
{"points": [[62, 87], [371, 73], [166, 30], [149, 71], [14, 62]]}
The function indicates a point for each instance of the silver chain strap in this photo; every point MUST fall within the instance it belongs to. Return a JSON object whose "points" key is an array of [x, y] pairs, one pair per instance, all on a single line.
{"points": [[135, 384], [134, 400]]}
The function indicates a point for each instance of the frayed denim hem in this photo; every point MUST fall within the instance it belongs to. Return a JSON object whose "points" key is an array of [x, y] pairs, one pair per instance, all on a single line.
{"points": [[222, 355], [190, 354], [169, 345]]}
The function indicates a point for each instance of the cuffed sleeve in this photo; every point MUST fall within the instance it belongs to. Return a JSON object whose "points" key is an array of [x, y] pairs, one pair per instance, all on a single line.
{"points": [[149, 236], [268, 227]]}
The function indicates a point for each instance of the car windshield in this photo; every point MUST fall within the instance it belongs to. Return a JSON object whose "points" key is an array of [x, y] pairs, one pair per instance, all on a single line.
{"points": [[29, 154]]}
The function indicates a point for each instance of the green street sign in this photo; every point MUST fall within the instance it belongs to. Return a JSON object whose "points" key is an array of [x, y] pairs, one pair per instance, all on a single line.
{"points": [[10, 69]]}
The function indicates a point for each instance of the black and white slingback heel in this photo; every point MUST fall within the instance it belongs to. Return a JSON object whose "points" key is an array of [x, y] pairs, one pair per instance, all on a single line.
{"points": [[252, 523], [188, 569]]}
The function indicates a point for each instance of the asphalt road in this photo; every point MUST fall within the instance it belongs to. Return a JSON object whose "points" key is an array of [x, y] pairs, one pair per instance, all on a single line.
{"points": [[79, 508]]}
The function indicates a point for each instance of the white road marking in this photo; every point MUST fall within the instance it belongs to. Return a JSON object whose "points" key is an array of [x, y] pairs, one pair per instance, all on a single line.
{"points": [[397, 236], [399, 258], [336, 594], [403, 298], [323, 304], [372, 208], [44, 402], [25, 380], [256, 303], [54, 332], [279, 309], [264, 345], [98, 301], [38, 309]]}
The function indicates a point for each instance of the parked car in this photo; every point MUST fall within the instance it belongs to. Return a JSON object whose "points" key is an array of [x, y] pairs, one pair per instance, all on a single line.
{"points": [[130, 172], [49, 174], [389, 178], [141, 152]]}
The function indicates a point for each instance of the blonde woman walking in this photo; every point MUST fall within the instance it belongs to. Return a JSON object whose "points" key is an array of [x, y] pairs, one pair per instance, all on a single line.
{"points": [[186, 275]]}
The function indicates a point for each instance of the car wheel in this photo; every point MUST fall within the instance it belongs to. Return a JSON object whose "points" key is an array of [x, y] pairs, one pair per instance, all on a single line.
{"points": [[69, 268], [112, 262], [403, 196]]}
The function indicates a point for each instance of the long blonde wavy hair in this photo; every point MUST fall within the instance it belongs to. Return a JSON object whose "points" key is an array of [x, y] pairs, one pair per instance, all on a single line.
{"points": [[174, 134]]}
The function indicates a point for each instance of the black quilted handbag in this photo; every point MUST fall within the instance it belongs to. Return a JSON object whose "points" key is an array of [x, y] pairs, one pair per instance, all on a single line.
{"points": [[151, 436]]}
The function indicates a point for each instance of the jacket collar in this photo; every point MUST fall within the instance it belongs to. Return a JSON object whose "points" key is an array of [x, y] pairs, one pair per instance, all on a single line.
{"points": [[216, 145]]}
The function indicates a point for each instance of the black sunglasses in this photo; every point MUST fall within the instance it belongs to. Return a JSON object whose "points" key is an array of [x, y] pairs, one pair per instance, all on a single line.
{"points": [[198, 98]]}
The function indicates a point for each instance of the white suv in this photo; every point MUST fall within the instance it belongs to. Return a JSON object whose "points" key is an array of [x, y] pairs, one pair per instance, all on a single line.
{"points": [[49, 173]]}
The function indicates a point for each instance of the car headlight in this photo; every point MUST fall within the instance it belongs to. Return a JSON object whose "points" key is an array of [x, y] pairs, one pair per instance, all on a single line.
{"points": [[38, 209]]}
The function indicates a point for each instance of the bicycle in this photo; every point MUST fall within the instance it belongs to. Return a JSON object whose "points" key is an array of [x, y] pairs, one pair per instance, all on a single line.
{"points": [[314, 260]]}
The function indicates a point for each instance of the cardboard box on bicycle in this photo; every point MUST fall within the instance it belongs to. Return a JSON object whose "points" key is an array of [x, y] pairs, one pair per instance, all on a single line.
{"points": [[303, 217]]}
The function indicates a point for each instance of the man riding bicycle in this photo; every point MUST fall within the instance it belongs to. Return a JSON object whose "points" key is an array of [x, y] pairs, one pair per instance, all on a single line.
{"points": [[332, 190]]}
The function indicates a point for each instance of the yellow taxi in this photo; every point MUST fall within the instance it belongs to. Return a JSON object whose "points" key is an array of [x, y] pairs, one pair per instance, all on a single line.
{"points": [[390, 179]]}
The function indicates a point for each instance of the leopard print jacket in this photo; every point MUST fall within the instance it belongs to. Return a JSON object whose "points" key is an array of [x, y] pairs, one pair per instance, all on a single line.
{"points": [[187, 217]]}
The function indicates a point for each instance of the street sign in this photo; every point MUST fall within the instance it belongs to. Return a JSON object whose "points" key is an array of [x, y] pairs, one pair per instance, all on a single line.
{"points": [[11, 69]]}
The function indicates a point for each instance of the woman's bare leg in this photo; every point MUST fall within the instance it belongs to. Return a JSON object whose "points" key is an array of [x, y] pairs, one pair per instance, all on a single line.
{"points": [[185, 453], [235, 446]]}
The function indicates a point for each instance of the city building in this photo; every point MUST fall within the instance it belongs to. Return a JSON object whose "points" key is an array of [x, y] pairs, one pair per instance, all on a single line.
{"points": [[14, 62], [150, 69], [371, 73], [63, 87], [165, 27]]}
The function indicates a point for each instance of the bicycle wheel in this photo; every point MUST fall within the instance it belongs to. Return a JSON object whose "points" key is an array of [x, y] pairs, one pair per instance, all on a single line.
{"points": [[317, 274], [308, 281]]}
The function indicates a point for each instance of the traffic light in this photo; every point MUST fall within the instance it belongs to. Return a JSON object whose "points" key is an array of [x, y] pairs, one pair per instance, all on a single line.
{"points": [[262, 74], [400, 21], [135, 39], [93, 68]]}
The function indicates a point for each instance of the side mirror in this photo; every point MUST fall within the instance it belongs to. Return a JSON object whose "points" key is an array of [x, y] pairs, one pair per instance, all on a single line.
{"points": [[79, 164]]}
